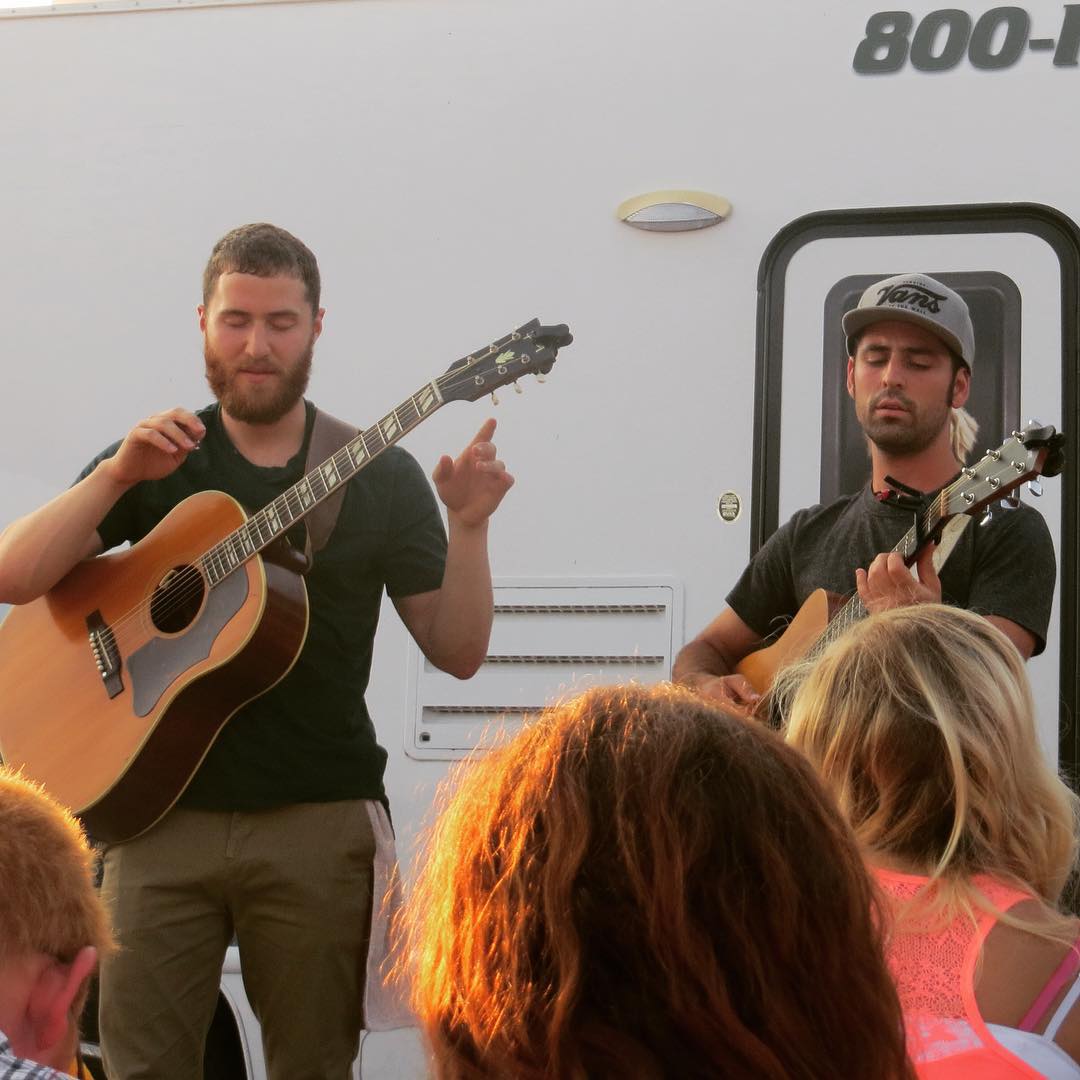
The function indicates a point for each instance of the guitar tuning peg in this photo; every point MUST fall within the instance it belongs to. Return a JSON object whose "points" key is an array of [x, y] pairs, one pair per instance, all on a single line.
{"points": [[540, 377], [987, 518], [1010, 502], [517, 389], [494, 399], [1035, 487]]}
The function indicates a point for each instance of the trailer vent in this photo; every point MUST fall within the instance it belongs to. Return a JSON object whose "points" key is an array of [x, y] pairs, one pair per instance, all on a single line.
{"points": [[548, 641]]}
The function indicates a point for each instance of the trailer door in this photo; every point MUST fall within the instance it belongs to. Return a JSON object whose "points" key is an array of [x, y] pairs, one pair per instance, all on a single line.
{"points": [[1018, 267]]}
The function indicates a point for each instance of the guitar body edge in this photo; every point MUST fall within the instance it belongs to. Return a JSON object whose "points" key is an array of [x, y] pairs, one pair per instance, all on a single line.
{"points": [[760, 667], [183, 735], [98, 746]]}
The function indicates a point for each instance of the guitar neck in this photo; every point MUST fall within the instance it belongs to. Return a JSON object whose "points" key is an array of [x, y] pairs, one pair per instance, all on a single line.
{"points": [[274, 520]]}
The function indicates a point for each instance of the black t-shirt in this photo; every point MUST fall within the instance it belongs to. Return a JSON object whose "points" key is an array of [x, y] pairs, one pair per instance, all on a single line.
{"points": [[1005, 568], [309, 738]]}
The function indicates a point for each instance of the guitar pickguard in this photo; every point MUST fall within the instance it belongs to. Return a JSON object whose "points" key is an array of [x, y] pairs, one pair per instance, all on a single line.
{"points": [[156, 664]]}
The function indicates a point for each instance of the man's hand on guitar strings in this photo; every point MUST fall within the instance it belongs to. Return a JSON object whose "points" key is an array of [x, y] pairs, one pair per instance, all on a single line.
{"points": [[155, 447], [889, 583], [472, 485]]}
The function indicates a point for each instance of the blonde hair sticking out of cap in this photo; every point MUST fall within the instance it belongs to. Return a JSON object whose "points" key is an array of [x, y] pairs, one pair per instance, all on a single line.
{"points": [[963, 427]]}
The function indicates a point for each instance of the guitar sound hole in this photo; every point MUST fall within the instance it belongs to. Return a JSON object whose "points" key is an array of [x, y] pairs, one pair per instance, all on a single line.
{"points": [[177, 599]]}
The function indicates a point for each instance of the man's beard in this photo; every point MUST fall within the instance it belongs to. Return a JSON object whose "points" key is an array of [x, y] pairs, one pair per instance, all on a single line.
{"points": [[902, 439], [257, 404]]}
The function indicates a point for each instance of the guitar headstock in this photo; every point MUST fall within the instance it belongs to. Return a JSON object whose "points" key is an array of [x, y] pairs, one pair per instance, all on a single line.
{"points": [[529, 350], [1035, 451]]}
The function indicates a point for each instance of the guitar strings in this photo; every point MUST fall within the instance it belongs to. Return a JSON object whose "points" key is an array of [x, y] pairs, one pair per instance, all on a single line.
{"points": [[190, 581], [854, 610], [194, 578]]}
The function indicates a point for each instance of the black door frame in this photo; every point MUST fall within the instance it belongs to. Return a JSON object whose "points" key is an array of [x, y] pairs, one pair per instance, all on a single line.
{"points": [[1063, 236]]}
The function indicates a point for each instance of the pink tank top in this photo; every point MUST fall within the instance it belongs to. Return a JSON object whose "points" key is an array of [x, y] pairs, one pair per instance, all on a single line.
{"points": [[935, 975]]}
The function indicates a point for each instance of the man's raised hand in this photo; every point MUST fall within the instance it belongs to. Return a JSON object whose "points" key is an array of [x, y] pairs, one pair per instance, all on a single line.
{"points": [[472, 485]]}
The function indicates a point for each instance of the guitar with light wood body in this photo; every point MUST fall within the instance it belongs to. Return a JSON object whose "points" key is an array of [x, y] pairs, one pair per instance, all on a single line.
{"points": [[116, 682]]}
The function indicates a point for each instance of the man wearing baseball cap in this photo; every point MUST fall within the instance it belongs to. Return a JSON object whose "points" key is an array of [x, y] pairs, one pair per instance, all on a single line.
{"points": [[911, 354]]}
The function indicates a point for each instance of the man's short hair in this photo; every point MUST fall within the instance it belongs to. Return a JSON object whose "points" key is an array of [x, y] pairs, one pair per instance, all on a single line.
{"points": [[263, 250], [48, 903]]}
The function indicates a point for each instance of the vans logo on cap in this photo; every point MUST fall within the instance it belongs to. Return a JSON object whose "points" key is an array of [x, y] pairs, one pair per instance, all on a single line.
{"points": [[911, 295]]}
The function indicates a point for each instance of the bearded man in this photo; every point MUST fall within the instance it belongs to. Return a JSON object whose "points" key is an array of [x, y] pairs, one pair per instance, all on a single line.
{"points": [[275, 838], [911, 351]]}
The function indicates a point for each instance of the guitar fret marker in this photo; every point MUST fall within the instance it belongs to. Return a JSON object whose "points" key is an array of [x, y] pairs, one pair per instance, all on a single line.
{"points": [[428, 397], [329, 473], [358, 450]]}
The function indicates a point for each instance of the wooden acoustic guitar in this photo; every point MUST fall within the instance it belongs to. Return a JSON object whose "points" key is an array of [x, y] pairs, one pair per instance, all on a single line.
{"points": [[1035, 451], [115, 683]]}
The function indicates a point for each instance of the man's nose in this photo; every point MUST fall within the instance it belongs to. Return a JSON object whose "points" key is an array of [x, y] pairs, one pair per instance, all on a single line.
{"points": [[257, 340], [892, 373]]}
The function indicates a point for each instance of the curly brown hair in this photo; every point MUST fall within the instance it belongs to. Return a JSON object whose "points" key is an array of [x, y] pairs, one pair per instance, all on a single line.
{"points": [[640, 884]]}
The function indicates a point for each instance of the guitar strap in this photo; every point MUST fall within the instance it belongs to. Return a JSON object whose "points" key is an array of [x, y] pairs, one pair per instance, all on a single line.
{"points": [[328, 435]]}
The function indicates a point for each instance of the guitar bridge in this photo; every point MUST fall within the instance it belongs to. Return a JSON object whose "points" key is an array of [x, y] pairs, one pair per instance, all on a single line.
{"points": [[106, 654]]}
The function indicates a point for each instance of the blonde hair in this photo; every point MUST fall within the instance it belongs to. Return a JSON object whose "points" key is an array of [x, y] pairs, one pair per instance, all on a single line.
{"points": [[921, 722], [963, 427], [640, 884], [48, 903]]}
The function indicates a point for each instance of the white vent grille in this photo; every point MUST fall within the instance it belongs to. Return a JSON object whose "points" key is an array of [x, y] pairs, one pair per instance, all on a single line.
{"points": [[549, 640]]}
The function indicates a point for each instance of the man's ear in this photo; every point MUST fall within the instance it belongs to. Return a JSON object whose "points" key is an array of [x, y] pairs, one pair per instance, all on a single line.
{"points": [[56, 996], [851, 376], [961, 387]]}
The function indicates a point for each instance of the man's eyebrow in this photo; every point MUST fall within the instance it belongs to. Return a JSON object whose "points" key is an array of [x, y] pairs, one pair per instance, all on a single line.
{"points": [[293, 313], [907, 350]]}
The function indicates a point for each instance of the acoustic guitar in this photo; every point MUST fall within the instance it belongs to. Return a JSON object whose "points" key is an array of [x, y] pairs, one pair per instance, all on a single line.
{"points": [[1035, 451], [115, 683]]}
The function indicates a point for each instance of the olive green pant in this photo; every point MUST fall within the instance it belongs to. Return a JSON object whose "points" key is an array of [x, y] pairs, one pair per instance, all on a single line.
{"points": [[294, 886]]}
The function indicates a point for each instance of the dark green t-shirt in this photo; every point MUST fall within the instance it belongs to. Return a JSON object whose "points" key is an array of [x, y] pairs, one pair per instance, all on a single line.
{"points": [[1005, 568], [309, 738]]}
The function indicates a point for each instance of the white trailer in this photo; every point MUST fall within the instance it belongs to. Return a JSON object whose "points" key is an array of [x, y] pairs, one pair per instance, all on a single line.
{"points": [[457, 165]]}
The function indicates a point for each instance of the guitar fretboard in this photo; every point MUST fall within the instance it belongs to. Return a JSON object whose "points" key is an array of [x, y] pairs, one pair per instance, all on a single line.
{"points": [[854, 610], [275, 519]]}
